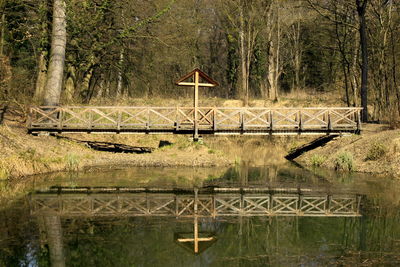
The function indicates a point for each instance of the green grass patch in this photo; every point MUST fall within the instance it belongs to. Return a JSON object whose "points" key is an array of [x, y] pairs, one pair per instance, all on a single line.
{"points": [[344, 161], [317, 160], [72, 162]]}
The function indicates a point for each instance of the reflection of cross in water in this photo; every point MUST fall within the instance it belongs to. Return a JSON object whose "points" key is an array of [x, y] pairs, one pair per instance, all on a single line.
{"points": [[196, 239]]}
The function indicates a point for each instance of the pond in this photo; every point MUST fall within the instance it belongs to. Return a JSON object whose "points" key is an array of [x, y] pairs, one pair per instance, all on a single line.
{"points": [[240, 216]]}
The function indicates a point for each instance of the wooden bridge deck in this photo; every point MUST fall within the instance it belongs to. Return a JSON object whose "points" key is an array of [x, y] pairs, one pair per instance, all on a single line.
{"points": [[211, 120], [238, 202]]}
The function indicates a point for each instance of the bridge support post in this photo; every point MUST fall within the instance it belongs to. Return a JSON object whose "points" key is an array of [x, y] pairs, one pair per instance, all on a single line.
{"points": [[196, 104], [300, 122]]}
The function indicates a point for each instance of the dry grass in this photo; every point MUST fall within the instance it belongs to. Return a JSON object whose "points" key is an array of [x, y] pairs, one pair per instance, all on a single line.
{"points": [[299, 98], [375, 151], [23, 154]]}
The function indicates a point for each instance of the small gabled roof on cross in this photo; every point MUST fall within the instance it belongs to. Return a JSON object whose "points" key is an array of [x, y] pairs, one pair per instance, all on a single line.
{"points": [[211, 82]]}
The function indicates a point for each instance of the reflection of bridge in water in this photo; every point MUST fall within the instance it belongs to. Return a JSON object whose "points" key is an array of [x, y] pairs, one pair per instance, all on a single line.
{"points": [[61, 202], [210, 203]]}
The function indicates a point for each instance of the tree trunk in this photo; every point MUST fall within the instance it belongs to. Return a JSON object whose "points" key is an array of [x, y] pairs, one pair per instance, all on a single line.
{"points": [[296, 54], [354, 79], [273, 69], [119, 80], [278, 49], [42, 65], [394, 69], [271, 72], [101, 88], [57, 55], [361, 10], [41, 76], [242, 55], [70, 84], [3, 26], [84, 87], [346, 83]]}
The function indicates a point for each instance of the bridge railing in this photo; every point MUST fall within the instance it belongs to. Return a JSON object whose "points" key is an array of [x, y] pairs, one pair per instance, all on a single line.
{"points": [[109, 118]]}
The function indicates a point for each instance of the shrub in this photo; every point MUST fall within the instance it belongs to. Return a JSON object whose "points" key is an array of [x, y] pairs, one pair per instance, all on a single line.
{"points": [[376, 151], [72, 162], [317, 160], [344, 161]]}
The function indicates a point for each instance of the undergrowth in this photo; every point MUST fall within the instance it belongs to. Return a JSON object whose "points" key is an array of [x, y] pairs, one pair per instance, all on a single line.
{"points": [[72, 162], [376, 151], [317, 160], [344, 161]]}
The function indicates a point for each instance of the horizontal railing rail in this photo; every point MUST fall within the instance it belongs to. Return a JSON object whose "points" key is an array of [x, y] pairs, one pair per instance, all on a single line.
{"points": [[111, 118]]}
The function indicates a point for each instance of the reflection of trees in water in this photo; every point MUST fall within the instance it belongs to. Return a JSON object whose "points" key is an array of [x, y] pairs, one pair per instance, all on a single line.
{"points": [[241, 241], [244, 175], [19, 243]]}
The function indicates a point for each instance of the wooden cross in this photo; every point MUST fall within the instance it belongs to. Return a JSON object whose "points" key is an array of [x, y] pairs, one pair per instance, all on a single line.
{"points": [[196, 74]]}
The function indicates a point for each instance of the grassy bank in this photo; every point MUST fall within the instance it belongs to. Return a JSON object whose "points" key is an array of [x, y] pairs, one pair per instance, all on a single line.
{"points": [[376, 151], [24, 154]]}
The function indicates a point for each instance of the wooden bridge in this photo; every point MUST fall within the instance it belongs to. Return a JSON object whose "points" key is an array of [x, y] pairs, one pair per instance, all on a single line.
{"points": [[83, 202], [181, 120]]}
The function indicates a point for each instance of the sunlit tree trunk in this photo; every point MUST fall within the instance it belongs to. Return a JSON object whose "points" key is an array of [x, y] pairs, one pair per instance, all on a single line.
{"points": [[70, 83], [85, 84], [119, 78], [243, 57], [361, 10], [277, 56], [101, 88], [273, 40], [354, 72], [57, 55], [43, 52], [41, 76]]}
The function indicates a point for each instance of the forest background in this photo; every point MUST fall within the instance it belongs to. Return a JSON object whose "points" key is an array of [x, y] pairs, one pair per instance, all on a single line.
{"points": [[256, 49]]}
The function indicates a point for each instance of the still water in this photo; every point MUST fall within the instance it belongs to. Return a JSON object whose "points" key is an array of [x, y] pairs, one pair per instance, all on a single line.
{"points": [[241, 216]]}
